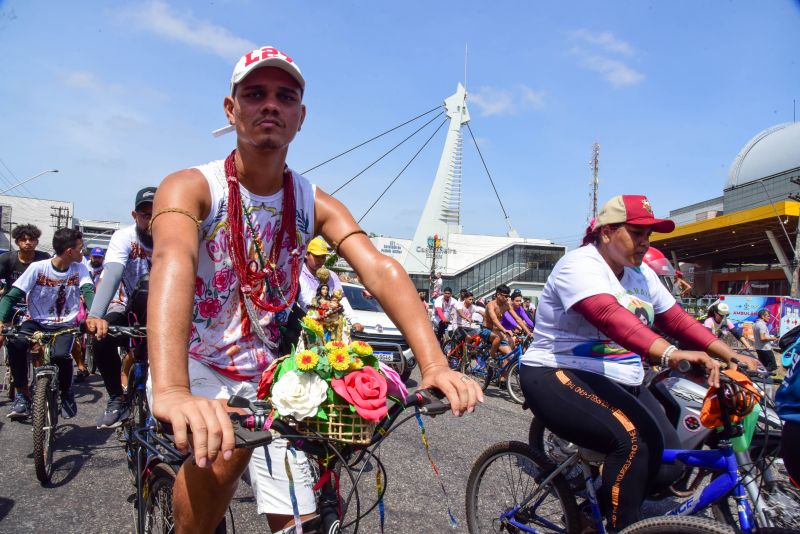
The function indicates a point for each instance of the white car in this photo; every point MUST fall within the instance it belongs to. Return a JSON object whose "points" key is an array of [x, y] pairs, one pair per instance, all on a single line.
{"points": [[379, 331]]}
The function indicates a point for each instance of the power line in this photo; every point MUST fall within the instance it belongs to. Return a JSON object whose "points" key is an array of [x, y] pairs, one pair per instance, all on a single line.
{"points": [[365, 169], [403, 170], [370, 140]]}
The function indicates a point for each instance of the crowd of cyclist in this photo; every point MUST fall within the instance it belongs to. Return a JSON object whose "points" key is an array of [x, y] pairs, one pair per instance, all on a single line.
{"points": [[591, 330]]}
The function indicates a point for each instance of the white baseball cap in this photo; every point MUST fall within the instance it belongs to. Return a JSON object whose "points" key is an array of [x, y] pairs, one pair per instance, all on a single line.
{"points": [[266, 56]]}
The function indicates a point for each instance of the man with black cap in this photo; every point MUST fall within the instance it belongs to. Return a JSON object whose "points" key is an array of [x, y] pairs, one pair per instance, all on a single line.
{"points": [[127, 262], [230, 238]]}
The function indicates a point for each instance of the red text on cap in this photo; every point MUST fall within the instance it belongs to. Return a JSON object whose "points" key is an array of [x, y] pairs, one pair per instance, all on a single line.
{"points": [[264, 53]]}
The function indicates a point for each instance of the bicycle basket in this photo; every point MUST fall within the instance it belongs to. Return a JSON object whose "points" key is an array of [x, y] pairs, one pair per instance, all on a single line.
{"points": [[342, 425], [739, 396]]}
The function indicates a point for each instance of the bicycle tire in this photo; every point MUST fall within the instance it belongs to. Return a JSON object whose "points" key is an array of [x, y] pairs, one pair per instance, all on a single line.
{"points": [[531, 467], [88, 355], [782, 506], [490, 376], [514, 386], [158, 506], [677, 525], [43, 428], [453, 359]]}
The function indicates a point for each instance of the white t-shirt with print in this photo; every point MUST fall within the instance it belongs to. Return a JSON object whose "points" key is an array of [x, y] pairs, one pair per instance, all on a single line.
{"points": [[54, 297], [563, 338], [126, 249], [457, 319], [446, 306]]}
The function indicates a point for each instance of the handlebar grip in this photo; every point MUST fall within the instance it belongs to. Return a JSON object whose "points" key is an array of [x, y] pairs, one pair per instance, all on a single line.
{"points": [[430, 402], [687, 367]]}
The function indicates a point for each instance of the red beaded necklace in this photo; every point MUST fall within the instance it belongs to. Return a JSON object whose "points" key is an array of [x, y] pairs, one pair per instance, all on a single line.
{"points": [[250, 274]]}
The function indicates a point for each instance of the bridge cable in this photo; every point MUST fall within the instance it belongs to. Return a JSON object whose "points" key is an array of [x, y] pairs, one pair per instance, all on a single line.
{"points": [[404, 169], [487, 172], [370, 140], [365, 169]]}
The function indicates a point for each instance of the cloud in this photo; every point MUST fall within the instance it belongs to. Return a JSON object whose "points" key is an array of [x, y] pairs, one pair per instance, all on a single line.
{"points": [[157, 17], [81, 79], [614, 71], [600, 52], [498, 101], [604, 40]]}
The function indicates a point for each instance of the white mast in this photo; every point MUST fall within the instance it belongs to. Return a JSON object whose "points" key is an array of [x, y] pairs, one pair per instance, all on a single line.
{"points": [[442, 213]]}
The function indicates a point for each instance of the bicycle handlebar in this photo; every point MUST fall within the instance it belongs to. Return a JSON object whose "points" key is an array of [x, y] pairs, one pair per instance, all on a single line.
{"points": [[130, 331], [12, 332], [250, 432]]}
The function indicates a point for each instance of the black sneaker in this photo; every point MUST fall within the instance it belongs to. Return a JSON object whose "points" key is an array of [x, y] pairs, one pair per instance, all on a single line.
{"points": [[21, 408], [69, 408], [116, 412]]}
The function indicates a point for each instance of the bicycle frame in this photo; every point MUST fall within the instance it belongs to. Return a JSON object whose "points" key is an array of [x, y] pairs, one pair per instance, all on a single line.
{"points": [[722, 460]]}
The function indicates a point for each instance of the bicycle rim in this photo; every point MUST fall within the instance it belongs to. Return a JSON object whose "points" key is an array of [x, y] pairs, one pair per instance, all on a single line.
{"points": [[504, 476], [514, 385], [42, 429]]}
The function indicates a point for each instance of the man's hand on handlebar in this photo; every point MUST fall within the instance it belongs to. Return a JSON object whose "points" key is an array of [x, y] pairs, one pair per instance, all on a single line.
{"points": [[206, 419], [711, 365], [462, 392], [97, 327], [752, 364]]}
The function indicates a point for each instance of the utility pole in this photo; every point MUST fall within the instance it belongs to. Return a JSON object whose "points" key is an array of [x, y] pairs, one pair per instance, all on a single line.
{"points": [[594, 164], [434, 243]]}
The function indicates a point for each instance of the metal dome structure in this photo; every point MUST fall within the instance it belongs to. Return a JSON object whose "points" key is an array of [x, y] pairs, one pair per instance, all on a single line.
{"points": [[772, 151]]}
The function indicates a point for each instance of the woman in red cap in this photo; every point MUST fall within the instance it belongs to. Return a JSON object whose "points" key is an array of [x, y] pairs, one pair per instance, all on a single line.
{"points": [[592, 331]]}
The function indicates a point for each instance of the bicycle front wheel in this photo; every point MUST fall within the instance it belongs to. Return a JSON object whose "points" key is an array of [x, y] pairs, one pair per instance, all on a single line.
{"points": [[44, 423], [158, 507], [514, 385], [500, 484], [677, 525]]}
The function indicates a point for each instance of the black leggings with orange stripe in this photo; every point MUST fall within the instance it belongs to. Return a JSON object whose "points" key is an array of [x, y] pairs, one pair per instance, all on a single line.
{"points": [[628, 426]]}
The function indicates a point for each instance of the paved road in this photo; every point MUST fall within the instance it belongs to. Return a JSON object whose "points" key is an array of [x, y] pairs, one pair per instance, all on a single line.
{"points": [[90, 489]]}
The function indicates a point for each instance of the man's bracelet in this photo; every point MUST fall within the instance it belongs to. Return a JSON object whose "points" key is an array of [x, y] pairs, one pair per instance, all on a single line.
{"points": [[665, 356]]}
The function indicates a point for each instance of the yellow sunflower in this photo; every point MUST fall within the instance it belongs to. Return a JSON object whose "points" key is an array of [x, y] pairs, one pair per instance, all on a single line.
{"points": [[331, 345], [339, 359], [314, 326], [362, 348], [306, 360]]}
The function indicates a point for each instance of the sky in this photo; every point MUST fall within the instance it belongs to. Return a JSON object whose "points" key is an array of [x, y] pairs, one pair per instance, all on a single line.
{"points": [[118, 94]]}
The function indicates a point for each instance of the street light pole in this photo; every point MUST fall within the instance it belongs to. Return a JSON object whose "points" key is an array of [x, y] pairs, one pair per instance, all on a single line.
{"points": [[25, 181]]}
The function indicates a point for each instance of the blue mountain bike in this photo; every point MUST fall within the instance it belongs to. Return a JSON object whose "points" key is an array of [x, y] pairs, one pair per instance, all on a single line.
{"points": [[507, 365], [515, 488]]}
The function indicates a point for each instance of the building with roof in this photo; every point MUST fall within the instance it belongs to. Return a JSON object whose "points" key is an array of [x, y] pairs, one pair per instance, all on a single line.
{"points": [[745, 239]]}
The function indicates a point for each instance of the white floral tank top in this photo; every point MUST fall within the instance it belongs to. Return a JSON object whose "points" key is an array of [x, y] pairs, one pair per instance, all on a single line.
{"points": [[216, 338]]}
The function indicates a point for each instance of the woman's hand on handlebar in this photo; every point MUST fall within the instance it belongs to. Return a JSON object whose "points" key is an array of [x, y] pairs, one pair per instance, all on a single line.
{"points": [[752, 364], [97, 327], [699, 358], [462, 392], [205, 419]]}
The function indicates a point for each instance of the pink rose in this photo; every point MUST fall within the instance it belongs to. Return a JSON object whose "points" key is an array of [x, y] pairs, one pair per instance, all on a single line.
{"points": [[365, 390], [395, 386], [222, 279], [199, 287], [209, 308]]}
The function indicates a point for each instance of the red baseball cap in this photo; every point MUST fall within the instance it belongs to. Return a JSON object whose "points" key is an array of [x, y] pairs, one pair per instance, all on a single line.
{"points": [[632, 209]]}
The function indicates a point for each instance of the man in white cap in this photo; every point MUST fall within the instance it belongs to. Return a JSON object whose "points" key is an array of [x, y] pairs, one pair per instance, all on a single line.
{"points": [[213, 223]]}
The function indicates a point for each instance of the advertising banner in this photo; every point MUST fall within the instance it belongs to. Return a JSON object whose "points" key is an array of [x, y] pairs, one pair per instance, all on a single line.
{"points": [[744, 311], [790, 316]]}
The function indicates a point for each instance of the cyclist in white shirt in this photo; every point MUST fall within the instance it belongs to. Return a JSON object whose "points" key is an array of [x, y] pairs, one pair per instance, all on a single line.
{"points": [[53, 289], [442, 310]]}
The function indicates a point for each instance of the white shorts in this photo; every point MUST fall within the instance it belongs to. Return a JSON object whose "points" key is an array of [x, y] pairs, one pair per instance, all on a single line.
{"points": [[267, 473]]}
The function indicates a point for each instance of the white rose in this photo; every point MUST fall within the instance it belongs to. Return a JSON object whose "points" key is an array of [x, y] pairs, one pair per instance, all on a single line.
{"points": [[299, 394]]}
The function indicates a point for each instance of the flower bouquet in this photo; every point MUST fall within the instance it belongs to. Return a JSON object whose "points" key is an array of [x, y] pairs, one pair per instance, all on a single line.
{"points": [[334, 389]]}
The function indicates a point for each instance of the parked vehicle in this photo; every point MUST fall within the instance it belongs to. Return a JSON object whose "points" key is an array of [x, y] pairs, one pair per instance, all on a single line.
{"points": [[379, 331]]}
